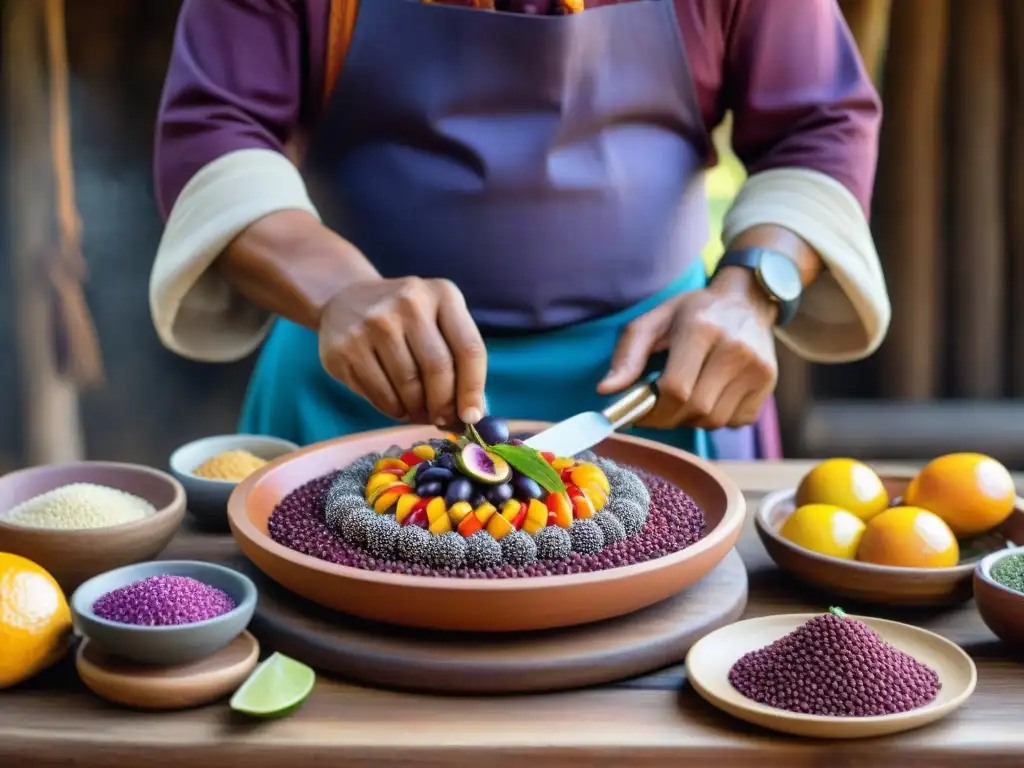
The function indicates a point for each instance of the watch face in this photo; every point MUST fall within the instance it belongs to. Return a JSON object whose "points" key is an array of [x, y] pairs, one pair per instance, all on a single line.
{"points": [[780, 276]]}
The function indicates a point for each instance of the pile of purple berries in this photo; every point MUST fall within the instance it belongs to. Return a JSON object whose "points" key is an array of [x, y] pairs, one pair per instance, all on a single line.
{"points": [[835, 666]]}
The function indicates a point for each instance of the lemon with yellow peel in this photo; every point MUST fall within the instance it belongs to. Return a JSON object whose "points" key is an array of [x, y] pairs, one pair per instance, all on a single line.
{"points": [[35, 621], [910, 537], [825, 529], [846, 483]]}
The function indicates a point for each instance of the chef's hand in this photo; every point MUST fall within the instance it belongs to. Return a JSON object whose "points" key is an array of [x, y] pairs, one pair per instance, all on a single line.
{"points": [[409, 346], [721, 354]]}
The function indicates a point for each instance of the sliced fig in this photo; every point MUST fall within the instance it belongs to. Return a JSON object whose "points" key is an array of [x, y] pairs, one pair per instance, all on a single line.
{"points": [[483, 466]]}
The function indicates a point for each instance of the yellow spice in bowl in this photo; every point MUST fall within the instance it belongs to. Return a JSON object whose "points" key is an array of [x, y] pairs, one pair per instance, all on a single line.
{"points": [[234, 466]]}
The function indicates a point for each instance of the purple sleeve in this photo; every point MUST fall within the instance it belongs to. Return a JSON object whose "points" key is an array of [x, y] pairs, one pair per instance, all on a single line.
{"points": [[234, 82], [799, 93]]}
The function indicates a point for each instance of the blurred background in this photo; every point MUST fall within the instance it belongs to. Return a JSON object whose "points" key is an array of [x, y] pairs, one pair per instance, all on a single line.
{"points": [[81, 82]]}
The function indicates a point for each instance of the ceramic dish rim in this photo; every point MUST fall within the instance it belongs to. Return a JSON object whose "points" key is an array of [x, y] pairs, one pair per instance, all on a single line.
{"points": [[174, 460], [775, 498], [177, 504], [983, 569], [730, 525], [802, 618], [248, 601]]}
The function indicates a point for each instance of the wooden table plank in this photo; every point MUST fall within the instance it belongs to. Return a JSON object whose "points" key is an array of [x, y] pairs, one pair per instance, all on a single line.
{"points": [[654, 720]]}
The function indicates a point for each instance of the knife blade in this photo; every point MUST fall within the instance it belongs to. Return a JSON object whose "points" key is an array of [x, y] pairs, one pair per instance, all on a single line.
{"points": [[585, 430]]}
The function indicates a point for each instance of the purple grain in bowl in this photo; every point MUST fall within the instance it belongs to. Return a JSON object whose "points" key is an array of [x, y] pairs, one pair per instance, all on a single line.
{"points": [[164, 600], [674, 522]]}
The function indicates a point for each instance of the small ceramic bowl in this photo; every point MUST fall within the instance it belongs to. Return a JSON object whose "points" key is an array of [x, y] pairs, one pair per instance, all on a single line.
{"points": [[1001, 608], [881, 584], [72, 556], [207, 498], [164, 645]]}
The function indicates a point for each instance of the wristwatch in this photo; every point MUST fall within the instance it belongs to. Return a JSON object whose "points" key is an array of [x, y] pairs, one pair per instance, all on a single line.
{"points": [[776, 273]]}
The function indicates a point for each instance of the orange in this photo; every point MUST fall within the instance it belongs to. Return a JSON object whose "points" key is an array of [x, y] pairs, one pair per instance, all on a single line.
{"points": [[825, 529], [970, 491], [910, 537], [846, 483], [35, 621]]}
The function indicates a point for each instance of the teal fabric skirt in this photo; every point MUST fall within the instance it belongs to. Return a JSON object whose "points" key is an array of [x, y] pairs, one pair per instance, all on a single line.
{"points": [[546, 376]]}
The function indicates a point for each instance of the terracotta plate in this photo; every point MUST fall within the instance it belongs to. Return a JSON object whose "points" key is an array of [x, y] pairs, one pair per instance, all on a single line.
{"points": [[709, 661], [880, 584], [478, 604]]}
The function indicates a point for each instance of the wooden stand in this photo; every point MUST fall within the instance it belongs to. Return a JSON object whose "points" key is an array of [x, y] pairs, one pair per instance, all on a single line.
{"points": [[457, 663]]}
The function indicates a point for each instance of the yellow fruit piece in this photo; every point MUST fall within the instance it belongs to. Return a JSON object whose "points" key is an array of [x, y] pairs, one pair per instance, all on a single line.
{"points": [[971, 492], [35, 621], [442, 525], [404, 506], [436, 510], [824, 528], [425, 452], [377, 484], [562, 463], [586, 475], [389, 463], [458, 511], [597, 496], [388, 499], [910, 537], [845, 483]]}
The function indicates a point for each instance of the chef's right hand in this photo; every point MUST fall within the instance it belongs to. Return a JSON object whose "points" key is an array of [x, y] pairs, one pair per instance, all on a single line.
{"points": [[409, 346]]}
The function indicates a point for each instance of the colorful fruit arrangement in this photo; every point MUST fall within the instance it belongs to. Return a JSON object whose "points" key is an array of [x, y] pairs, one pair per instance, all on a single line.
{"points": [[843, 510], [485, 498]]}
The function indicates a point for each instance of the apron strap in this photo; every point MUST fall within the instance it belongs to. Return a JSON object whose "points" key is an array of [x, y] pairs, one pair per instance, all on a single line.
{"points": [[341, 22]]}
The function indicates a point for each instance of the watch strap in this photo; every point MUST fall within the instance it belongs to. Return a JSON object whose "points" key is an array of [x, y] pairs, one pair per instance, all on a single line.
{"points": [[751, 258]]}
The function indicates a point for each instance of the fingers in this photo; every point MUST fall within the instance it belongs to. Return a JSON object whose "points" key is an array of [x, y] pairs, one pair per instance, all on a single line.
{"points": [[436, 368], [402, 370], [677, 384], [467, 349], [638, 340]]}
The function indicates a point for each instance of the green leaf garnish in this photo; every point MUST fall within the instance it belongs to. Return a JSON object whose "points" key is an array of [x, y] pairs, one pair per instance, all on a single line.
{"points": [[837, 612], [529, 461], [409, 478]]}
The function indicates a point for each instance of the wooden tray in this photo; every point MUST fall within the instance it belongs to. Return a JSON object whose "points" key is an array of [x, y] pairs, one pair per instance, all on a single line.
{"points": [[509, 662]]}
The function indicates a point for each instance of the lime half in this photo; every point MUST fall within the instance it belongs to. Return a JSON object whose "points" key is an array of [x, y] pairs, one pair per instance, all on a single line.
{"points": [[275, 688]]}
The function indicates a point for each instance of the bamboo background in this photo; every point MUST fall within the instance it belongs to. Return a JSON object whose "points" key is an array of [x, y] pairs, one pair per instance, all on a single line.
{"points": [[948, 219]]}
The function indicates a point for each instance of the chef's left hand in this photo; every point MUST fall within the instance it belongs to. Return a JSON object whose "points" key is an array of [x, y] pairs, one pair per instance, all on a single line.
{"points": [[721, 354]]}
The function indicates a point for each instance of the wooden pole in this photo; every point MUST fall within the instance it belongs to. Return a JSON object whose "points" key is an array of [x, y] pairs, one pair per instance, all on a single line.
{"points": [[908, 198], [52, 425], [869, 22], [976, 172], [1015, 188]]}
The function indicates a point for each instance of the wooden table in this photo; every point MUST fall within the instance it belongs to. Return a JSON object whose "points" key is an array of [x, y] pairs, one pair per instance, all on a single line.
{"points": [[655, 720]]}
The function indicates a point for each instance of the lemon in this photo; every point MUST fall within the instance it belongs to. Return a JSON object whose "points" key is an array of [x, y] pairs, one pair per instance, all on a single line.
{"points": [[910, 537], [972, 492], [35, 621], [825, 529], [846, 483]]}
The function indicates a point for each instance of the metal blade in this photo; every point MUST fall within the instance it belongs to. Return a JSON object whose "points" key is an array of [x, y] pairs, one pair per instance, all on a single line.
{"points": [[575, 434]]}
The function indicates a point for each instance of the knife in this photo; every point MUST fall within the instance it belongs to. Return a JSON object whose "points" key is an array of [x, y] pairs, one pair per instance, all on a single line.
{"points": [[585, 430]]}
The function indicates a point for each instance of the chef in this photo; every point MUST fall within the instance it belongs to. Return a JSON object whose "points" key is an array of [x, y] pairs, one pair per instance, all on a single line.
{"points": [[424, 210]]}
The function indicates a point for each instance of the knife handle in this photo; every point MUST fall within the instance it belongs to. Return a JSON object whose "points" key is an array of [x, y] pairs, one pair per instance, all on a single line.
{"points": [[641, 398]]}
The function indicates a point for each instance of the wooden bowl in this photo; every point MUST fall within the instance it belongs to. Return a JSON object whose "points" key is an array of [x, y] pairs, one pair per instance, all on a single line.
{"points": [[709, 661], [482, 604], [72, 556], [1000, 607], [880, 584]]}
